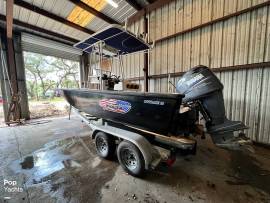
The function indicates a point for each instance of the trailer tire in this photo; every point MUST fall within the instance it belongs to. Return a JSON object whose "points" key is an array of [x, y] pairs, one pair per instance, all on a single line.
{"points": [[105, 145], [131, 159]]}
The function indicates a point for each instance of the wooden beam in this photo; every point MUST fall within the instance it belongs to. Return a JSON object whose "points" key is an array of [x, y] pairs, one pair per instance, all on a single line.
{"points": [[134, 4], [10, 49], [146, 58], [9, 17], [220, 69], [147, 9], [39, 29], [52, 16], [94, 11]]}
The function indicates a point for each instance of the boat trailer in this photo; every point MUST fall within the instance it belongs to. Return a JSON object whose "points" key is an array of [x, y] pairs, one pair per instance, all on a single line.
{"points": [[129, 144]]}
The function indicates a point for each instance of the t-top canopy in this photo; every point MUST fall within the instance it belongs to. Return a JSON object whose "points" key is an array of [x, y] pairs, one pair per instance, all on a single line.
{"points": [[115, 38]]}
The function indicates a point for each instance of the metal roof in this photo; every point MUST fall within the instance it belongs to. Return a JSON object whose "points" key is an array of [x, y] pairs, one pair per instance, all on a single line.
{"points": [[63, 8]]}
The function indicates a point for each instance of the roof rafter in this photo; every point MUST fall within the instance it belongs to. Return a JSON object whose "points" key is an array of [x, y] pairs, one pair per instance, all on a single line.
{"points": [[9, 17], [93, 11], [43, 12], [147, 9], [39, 29], [134, 4]]}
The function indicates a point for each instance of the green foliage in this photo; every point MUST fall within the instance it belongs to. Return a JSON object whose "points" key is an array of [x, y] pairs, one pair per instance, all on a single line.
{"points": [[46, 74]]}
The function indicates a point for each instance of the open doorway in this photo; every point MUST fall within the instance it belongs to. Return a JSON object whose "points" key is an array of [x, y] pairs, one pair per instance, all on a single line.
{"points": [[45, 76]]}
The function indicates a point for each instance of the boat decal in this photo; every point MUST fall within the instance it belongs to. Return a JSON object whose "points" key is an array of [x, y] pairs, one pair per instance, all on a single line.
{"points": [[155, 102], [114, 105]]}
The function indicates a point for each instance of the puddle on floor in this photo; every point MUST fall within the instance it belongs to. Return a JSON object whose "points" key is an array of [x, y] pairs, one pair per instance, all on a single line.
{"points": [[64, 169], [46, 161]]}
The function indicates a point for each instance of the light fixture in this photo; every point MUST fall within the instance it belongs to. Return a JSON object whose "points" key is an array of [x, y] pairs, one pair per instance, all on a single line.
{"points": [[112, 3]]}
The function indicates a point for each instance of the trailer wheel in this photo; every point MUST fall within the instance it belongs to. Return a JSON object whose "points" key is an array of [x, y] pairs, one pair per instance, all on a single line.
{"points": [[105, 145], [131, 158]]}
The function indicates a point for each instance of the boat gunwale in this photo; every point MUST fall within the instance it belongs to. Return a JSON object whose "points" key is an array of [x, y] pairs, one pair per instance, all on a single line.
{"points": [[129, 93]]}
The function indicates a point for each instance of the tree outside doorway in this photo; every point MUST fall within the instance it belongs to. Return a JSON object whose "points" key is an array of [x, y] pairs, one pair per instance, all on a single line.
{"points": [[45, 76]]}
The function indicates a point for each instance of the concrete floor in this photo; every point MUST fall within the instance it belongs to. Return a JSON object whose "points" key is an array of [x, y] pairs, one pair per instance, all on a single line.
{"points": [[54, 160]]}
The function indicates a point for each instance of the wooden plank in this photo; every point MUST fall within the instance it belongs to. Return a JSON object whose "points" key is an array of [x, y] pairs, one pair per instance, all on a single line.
{"points": [[205, 49], [164, 85], [157, 85], [179, 16], [267, 44], [238, 94], [187, 17], [221, 19], [218, 9], [264, 126], [261, 34], [178, 54], [152, 26], [171, 56], [171, 18], [158, 23], [228, 45], [196, 13], [226, 79], [206, 10], [9, 18], [257, 35], [186, 51], [164, 23], [195, 48], [216, 45], [243, 4], [151, 85], [252, 97], [179, 20], [242, 39], [230, 7]]}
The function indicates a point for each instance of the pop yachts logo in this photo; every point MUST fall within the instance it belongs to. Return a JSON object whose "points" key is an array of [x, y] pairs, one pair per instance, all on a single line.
{"points": [[114, 105], [12, 186]]}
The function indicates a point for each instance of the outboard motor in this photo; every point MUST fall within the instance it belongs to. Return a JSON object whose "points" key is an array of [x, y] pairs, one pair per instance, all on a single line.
{"points": [[203, 89]]}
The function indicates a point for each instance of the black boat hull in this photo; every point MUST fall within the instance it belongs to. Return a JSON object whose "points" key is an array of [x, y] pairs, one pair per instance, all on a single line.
{"points": [[149, 111]]}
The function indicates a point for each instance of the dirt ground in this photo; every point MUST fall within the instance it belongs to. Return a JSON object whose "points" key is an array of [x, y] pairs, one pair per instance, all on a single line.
{"points": [[54, 160], [42, 109]]}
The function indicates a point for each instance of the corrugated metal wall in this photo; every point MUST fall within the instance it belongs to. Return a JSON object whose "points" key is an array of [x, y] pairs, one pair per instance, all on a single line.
{"points": [[238, 40]]}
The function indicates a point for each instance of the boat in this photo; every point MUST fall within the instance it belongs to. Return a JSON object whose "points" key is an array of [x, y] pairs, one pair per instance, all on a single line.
{"points": [[149, 111], [199, 96]]}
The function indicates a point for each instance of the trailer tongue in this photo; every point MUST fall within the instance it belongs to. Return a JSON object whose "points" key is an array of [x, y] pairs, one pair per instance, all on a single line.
{"points": [[135, 122]]}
